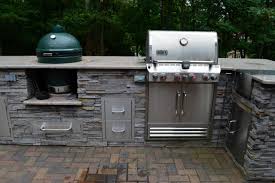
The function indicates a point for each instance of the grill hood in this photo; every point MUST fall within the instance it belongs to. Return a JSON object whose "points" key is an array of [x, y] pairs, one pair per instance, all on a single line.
{"points": [[182, 46]]}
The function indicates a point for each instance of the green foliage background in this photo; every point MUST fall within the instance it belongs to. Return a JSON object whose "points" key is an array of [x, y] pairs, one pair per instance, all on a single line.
{"points": [[119, 27]]}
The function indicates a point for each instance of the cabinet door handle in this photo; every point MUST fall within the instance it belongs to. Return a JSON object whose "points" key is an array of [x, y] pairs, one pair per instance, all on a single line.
{"points": [[184, 94], [116, 110], [118, 130], [230, 127], [177, 101], [232, 121], [232, 132]]}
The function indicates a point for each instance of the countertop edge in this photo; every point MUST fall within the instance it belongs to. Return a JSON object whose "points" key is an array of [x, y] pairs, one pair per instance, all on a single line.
{"points": [[47, 102], [13, 67], [72, 67], [126, 63], [261, 79]]}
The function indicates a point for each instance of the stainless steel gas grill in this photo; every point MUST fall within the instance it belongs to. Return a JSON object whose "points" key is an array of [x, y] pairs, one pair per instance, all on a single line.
{"points": [[183, 69]]}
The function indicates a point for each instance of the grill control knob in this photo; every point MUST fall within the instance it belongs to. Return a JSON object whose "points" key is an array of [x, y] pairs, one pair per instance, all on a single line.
{"points": [[155, 76], [184, 77], [177, 77], [163, 77], [213, 77], [205, 77], [192, 77]]}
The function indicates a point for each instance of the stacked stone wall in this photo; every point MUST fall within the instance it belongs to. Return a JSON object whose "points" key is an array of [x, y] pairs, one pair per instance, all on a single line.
{"points": [[260, 155]]}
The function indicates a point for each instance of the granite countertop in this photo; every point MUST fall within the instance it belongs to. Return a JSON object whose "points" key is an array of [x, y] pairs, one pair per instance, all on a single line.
{"points": [[88, 62], [123, 62], [246, 64], [265, 79], [130, 62]]}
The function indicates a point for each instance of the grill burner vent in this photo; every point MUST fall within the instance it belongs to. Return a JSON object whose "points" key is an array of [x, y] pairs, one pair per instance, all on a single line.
{"points": [[176, 132]]}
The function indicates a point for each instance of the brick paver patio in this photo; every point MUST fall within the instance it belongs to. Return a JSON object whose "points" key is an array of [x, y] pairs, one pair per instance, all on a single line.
{"points": [[130, 164]]}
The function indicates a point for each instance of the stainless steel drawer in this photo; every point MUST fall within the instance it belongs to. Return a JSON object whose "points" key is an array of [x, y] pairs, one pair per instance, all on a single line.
{"points": [[117, 116], [117, 130], [118, 109]]}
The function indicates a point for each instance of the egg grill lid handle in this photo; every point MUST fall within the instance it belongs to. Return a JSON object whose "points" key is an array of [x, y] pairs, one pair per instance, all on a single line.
{"points": [[58, 29]]}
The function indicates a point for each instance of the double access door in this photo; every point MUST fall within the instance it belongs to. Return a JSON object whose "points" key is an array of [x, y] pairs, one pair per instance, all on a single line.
{"points": [[178, 110]]}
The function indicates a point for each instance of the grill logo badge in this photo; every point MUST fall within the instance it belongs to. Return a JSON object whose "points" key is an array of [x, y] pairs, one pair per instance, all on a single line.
{"points": [[162, 52]]}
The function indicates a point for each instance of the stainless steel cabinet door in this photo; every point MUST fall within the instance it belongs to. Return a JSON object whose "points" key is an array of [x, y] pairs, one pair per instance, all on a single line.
{"points": [[164, 102], [196, 104], [239, 127], [4, 118]]}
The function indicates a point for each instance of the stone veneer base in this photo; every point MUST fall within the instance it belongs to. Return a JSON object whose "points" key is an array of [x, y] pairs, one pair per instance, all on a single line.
{"points": [[25, 120]]}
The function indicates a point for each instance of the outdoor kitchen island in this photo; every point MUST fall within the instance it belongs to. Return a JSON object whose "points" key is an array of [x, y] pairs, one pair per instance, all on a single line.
{"points": [[86, 119]]}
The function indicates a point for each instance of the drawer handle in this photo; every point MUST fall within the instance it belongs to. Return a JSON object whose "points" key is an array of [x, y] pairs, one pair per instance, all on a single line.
{"points": [[118, 130], [116, 110], [43, 128]]}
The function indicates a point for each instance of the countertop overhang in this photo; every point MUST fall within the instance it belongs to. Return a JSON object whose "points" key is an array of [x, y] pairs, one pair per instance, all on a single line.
{"points": [[125, 62]]}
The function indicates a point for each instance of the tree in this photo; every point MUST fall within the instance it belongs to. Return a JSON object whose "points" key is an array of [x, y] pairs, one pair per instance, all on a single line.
{"points": [[119, 27]]}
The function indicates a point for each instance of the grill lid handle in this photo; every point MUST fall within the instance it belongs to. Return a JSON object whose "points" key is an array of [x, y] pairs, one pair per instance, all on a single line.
{"points": [[184, 61]]}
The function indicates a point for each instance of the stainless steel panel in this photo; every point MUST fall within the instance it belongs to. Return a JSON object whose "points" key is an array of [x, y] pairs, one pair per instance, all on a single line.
{"points": [[169, 70], [4, 118], [164, 102], [167, 45], [179, 110], [238, 129], [117, 117], [117, 130], [196, 103], [243, 84], [118, 109]]}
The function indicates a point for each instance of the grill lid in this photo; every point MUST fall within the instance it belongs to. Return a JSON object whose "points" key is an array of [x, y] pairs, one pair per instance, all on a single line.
{"points": [[182, 46], [58, 47]]}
